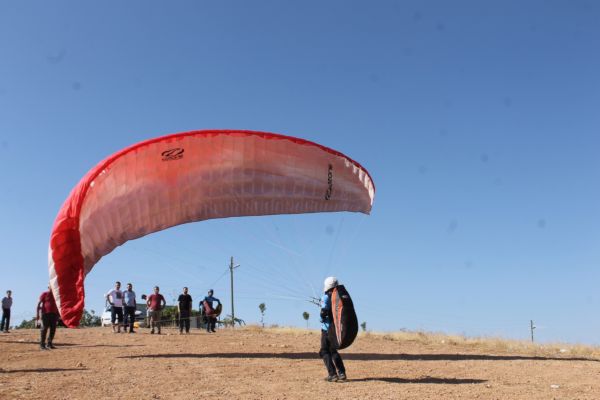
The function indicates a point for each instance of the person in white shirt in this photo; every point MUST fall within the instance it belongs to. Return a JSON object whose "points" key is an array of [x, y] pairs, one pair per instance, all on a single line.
{"points": [[115, 299]]}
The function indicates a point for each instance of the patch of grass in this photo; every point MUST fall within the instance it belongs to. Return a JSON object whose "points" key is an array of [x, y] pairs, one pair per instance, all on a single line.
{"points": [[488, 344], [492, 345], [281, 329]]}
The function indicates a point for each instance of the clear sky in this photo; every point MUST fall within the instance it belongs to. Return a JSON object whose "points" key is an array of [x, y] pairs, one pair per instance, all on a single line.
{"points": [[478, 121]]}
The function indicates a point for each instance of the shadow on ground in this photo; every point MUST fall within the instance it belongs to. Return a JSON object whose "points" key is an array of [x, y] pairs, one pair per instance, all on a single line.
{"points": [[36, 342], [39, 370], [366, 356], [423, 380]]}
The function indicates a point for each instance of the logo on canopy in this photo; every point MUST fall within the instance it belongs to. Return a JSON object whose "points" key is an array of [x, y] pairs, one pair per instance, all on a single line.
{"points": [[329, 183], [172, 154]]}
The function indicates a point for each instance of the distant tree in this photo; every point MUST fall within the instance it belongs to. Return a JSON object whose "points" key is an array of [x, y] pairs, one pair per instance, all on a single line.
{"points": [[89, 319], [27, 324], [262, 307], [306, 316], [364, 326], [169, 316]]}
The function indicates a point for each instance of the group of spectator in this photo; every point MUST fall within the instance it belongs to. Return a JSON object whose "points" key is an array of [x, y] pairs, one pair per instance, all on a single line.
{"points": [[123, 306]]}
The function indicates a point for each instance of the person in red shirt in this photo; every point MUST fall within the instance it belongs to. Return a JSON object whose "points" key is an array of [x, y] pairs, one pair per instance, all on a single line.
{"points": [[156, 302], [49, 313]]}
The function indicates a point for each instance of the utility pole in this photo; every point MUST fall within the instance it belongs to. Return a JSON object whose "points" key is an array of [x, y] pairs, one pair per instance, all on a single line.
{"points": [[532, 328], [231, 268]]}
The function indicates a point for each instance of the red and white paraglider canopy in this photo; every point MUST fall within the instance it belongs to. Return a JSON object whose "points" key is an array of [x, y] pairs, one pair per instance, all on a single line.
{"points": [[187, 177]]}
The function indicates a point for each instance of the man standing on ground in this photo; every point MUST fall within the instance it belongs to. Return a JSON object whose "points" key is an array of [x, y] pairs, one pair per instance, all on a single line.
{"points": [[156, 302], [184, 307], [130, 307], [115, 299], [209, 311], [328, 352], [6, 305], [49, 314]]}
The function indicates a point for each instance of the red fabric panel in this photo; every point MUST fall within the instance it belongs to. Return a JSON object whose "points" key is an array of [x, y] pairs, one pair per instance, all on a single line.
{"points": [[69, 263]]}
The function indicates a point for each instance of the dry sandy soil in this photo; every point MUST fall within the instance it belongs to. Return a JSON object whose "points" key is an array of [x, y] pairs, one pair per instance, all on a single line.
{"points": [[251, 363]]}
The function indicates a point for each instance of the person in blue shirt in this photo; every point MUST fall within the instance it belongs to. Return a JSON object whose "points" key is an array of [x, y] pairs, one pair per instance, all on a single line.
{"points": [[332, 359], [130, 307], [209, 311]]}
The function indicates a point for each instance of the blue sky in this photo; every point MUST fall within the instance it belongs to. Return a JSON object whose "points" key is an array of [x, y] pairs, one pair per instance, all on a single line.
{"points": [[477, 120]]}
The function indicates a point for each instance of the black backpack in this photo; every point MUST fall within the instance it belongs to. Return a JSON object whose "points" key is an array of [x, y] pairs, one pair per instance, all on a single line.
{"points": [[344, 324]]}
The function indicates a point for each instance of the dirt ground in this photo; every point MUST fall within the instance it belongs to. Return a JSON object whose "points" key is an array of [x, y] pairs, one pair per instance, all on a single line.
{"points": [[251, 363]]}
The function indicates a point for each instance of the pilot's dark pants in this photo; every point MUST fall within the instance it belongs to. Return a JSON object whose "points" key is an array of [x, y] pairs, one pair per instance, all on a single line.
{"points": [[5, 319], [129, 317], [116, 314], [211, 323], [330, 356], [49, 322], [184, 321]]}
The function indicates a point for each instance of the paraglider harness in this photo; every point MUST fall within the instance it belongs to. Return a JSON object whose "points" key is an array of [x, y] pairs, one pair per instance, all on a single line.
{"points": [[207, 311], [341, 316], [203, 311]]}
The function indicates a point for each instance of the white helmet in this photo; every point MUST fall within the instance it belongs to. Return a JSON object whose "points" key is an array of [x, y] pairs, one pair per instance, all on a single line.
{"points": [[329, 283]]}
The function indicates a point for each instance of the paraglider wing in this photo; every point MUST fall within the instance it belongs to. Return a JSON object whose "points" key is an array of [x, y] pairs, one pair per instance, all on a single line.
{"points": [[187, 177]]}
